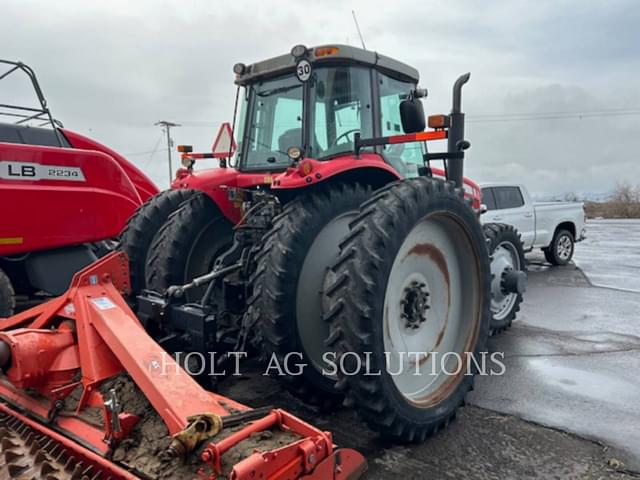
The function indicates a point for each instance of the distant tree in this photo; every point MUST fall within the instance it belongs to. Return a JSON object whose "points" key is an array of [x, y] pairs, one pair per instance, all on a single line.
{"points": [[571, 197], [626, 200]]}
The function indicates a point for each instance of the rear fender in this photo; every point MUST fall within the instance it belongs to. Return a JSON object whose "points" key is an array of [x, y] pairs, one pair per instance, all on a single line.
{"points": [[214, 181], [368, 168], [309, 171]]}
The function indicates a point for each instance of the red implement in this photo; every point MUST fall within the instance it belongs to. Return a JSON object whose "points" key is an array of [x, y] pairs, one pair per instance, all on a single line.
{"points": [[88, 336]]}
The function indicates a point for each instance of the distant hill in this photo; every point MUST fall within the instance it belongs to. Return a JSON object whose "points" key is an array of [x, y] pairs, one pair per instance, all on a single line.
{"points": [[573, 196]]}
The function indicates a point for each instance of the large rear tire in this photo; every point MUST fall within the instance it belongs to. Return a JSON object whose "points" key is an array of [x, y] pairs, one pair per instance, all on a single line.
{"points": [[187, 245], [7, 296], [289, 284], [413, 276], [508, 273], [142, 228]]}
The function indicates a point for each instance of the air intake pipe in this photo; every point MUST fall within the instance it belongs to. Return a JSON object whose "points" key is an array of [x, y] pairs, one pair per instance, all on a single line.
{"points": [[456, 142]]}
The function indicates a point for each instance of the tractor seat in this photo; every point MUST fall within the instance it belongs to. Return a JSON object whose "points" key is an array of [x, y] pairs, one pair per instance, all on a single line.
{"points": [[290, 138]]}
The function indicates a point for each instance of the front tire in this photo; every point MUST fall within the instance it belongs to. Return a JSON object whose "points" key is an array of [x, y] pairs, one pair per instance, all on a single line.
{"points": [[413, 276], [7, 296], [290, 279], [560, 251]]}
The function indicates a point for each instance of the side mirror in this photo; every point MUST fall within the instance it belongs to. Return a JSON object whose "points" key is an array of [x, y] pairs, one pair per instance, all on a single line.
{"points": [[412, 115]]}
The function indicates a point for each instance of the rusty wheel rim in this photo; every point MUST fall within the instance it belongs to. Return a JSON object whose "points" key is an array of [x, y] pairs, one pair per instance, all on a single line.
{"points": [[427, 355]]}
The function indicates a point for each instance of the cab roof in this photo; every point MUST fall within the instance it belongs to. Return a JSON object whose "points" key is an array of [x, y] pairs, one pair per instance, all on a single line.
{"points": [[341, 54]]}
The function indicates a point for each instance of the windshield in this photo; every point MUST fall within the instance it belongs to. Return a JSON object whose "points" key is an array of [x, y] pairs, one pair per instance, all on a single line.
{"points": [[275, 123], [271, 116]]}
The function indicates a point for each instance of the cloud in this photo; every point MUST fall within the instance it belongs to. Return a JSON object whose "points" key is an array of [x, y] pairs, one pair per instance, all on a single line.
{"points": [[112, 69]]}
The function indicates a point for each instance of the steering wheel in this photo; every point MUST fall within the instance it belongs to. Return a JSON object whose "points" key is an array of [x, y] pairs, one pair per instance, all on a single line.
{"points": [[345, 134]]}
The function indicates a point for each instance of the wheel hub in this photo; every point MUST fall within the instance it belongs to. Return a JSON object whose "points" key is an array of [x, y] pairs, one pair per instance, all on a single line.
{"points": [[414, 304], [507, 281], [513, 281]]}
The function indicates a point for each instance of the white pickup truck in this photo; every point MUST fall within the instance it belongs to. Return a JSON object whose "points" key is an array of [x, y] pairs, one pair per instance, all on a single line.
{"points": [[554, 227]]}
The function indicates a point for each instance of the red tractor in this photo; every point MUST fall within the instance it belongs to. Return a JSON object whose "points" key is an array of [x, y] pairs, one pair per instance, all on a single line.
{"points": [[62, 196], [329, 240], [306, 244]]}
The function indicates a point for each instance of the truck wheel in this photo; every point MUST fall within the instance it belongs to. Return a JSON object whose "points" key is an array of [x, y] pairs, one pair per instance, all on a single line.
{"points": [[508, 271], [290, 278], [411, 293], [7, 296], [187, 245], [142, 228], [560, 251]]}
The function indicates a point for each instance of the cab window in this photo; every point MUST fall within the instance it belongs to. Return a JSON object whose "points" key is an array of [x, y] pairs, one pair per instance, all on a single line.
{"points": [[404, 157], [275, 123], [341, 108]]}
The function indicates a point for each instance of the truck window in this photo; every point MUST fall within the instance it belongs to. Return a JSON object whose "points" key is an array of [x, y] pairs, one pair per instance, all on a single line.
{"points": [[488, 199], [508, 197]]}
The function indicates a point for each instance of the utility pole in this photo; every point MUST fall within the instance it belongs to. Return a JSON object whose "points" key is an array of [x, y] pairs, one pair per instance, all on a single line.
{"points": [[167, 128]]}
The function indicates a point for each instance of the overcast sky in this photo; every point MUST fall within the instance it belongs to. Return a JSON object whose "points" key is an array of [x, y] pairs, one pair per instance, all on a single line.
{"points": [[110, 69]]}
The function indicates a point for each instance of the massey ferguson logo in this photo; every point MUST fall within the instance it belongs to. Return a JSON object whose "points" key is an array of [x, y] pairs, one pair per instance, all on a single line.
{"points": [[36, 171]]}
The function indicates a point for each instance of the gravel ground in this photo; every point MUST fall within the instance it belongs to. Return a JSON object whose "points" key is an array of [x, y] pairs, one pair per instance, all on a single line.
{"points": [[480, 444]]}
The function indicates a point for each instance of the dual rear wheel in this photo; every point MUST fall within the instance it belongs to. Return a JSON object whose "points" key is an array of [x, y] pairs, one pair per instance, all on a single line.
{"points": [[392, 289]]}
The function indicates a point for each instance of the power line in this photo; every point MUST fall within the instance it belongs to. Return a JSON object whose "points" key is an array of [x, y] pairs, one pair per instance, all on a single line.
{"points": [[489, 117], [153, 152], [199, 123], [138, 153], [565, 112], [541, 116]]}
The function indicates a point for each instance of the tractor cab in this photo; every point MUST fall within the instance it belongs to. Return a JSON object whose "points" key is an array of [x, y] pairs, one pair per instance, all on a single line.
{"points": [[316, 101], [323, 114]]}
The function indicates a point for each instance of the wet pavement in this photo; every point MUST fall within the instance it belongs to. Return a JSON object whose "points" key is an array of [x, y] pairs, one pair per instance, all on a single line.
{"points": [[610, 255], [480, 444], [568, 405], [573, 355]]}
